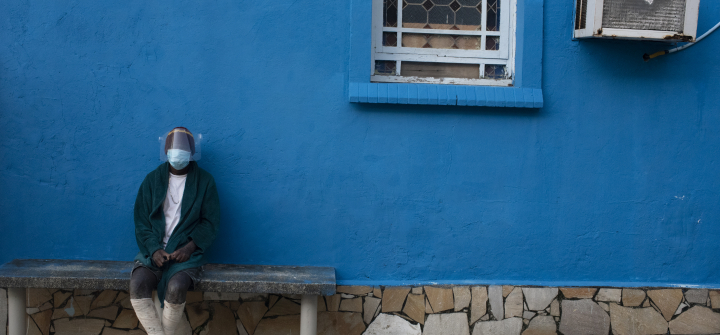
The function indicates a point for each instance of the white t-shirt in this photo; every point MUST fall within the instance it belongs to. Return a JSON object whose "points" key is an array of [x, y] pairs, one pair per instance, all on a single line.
{"points": [[172, 204]]}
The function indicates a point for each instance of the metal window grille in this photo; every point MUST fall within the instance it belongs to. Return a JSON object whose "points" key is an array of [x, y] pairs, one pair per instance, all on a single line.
{"points": [[467, 42]]}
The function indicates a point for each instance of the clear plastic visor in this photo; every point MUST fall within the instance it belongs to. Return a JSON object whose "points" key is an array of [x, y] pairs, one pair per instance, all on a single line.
{"points": [[181, 139]]}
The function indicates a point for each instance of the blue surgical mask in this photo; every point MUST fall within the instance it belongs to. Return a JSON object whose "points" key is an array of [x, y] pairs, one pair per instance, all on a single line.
{"points": [[179, 159]]}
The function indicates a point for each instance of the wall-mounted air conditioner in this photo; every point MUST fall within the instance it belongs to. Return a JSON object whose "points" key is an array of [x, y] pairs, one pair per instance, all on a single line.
{"points": [[668, 20]]}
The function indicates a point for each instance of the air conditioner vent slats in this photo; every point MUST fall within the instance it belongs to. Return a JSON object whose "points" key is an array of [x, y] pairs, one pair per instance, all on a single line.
{"points": [[580, 14], [664, 15]]}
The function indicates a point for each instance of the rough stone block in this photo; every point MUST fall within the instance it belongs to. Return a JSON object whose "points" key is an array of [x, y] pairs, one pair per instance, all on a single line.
{"points": [[514, 304], [541, 325], [60, 297], [386, 324], [696, 296], [478, 305], [539, 298], [715, 299], [447, 324], [636, 321], [609, 295], [197, 314], [333, 302], [351, 305], [340, 323], [555, 308], [78, 326], [107, 313], [377, 292], [441, 299], [528, 315], [394, 298], [417, 290], [578, 292], [696, 320], [583, 317], [240, 328], [37, 296], [370, 308], [272, 299], [504, 327], [321, 306], [496, 302], [126, 320], [632, 297], [415, 307], [507, 289], [105, 298], [288, 325], [680, 308], [667, 300], [462, 297], [223, 320], [284, 307], [250, 314], [42, 320]]}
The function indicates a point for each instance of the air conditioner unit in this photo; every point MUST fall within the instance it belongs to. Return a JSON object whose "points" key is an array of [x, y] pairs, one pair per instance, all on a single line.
{"points": [[659, 20]]}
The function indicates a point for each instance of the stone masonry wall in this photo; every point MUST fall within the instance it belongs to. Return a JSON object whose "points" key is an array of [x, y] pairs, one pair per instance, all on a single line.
{"points": [[427, 310]]}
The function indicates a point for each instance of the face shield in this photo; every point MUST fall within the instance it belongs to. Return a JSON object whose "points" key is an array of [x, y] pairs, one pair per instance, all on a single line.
{"points": [[179, 147]]}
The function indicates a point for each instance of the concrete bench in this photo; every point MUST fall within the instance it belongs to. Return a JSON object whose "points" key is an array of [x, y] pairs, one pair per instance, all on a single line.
{"points": [[111, 275]]}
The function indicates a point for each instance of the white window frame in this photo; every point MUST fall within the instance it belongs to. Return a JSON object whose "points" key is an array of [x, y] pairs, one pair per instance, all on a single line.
{"points": [[504, 56]]}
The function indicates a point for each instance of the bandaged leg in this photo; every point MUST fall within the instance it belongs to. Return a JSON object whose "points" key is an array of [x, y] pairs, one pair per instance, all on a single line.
{"points": [[175, 302], [147, 314], [172, 314]]}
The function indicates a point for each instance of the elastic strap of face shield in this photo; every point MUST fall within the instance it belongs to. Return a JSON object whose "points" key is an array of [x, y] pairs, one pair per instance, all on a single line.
{"points": [[180, 131]]}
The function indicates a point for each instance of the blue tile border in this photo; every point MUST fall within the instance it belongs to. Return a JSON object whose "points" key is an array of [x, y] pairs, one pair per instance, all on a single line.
{"points": [[425, 94]]}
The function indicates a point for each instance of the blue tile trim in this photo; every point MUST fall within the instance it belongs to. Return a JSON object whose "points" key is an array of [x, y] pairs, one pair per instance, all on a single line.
{"points": [[424, 94]]}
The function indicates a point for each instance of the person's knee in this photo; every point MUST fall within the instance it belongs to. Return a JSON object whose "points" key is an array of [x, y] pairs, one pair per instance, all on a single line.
{"points": [[177, 288], [142, 282]]}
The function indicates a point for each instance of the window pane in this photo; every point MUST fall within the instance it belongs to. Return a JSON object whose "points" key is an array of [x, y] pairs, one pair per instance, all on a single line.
{"points": [[441, 41], [414, 15], [442, 14], [390, 39], [495, 71], [492, 43], [493, 15], [385, 67], [440, 70], [390, 13]]}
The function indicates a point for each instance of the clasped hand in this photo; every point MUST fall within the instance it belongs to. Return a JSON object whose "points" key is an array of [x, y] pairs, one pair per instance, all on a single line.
{"points": [[180, 255]]}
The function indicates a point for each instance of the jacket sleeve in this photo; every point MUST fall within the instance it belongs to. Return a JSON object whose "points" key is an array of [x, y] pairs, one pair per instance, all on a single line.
{"points": [[147, 240], [204, 233]]}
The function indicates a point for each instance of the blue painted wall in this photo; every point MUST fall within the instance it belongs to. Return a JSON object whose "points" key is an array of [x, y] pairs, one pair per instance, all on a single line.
{"points": [[614, 181]]}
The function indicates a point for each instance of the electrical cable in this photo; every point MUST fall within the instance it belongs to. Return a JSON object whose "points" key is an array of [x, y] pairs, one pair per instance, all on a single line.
{"points": [[647, 57]]}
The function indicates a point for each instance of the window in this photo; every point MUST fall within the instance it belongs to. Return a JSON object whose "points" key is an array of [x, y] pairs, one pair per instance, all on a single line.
{"points": [[463, 42], [520, 85]]}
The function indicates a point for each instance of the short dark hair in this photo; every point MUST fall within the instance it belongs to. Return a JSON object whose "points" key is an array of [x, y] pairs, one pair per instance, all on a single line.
{"points": [[171, 136]]}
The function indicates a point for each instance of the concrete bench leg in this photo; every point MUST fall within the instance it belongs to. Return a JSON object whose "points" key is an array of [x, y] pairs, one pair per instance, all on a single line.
{"points": [[17, 315], [308, 315]]}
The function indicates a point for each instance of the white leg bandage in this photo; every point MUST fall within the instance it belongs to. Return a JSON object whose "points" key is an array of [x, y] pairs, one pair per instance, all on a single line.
{"points": [[172, 314], [147, 314]]}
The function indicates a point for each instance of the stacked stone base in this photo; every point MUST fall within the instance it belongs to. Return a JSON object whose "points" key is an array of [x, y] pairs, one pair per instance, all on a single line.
{"points": [[427, 310]]}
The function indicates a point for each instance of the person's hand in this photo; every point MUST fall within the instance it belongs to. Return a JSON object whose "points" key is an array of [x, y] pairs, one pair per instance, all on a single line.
{"points": [[183, 254], [160, 257]]}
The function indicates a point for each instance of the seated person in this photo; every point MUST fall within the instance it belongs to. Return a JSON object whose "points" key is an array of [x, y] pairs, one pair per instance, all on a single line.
{"points": [[177, 214]]}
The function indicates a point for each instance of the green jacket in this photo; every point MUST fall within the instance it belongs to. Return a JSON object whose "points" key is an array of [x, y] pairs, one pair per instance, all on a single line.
{"points": [[199, 219]]}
